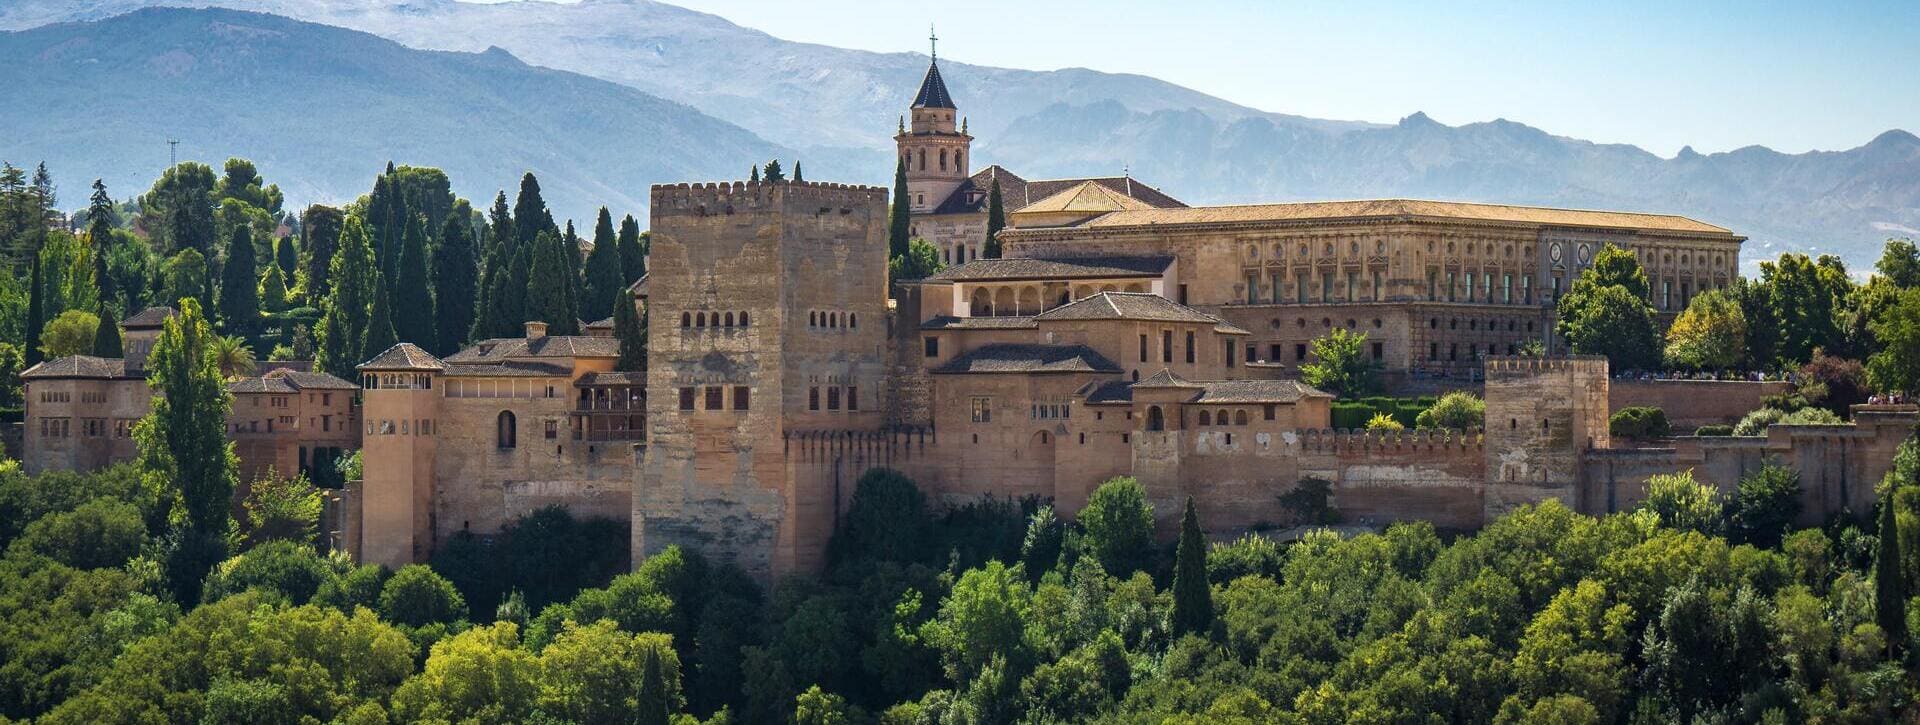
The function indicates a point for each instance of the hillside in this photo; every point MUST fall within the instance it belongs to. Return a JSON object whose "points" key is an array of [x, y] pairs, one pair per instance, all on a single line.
{"points": [[323, 109]]}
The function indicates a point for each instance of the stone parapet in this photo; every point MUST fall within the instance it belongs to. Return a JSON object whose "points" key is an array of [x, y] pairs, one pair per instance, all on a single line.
{"points": [[1344, 441]]}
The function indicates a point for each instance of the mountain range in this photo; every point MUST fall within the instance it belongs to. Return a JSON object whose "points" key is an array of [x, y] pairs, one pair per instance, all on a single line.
{"points": [[591, 67]]}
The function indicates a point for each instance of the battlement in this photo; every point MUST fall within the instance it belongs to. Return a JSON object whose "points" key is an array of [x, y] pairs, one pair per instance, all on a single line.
{"points": [[1345, 441], [823, 446], [728, 197], [1515, 366]]}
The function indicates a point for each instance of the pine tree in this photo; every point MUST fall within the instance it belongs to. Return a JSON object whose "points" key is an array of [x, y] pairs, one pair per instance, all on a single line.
{"points": [[996, 221], [547, 287], [630, 327], [380, 333], [287, 254], [797, 179], [530, 215], [413, 299], [773, 173], [100, 238], [36, 309], [633, 255], [902, 222], [650, 704], [106, 337], [345, 323], [604, 271], [454, 286], [753, 177], [239, 293], [1889, 578], [1192, 597], [184, 448]]}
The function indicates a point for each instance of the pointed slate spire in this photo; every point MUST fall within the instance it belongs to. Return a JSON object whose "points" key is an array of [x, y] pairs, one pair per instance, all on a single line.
{"points": [[933, 90]]}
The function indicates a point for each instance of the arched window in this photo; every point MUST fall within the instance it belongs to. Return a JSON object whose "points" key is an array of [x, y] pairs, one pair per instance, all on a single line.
{"points": [[729, 319], [1156, 420], [853, 320], [686, 319], [699, 319], [743, 319], [943, 159], [506, 431], [1206, 418], [959, 161], [923, 159], [1239, 417]]}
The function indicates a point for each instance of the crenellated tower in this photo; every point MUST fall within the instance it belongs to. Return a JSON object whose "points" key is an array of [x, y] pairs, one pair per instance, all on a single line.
{"points": [[401, 412], [934, 151]]}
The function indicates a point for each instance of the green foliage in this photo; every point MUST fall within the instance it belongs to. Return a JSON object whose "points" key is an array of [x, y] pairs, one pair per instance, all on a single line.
{"points": [[521, 557], [595, 672], [283, 571], [631, 329], [184, 448], [416, 597], [344, 325], [381, 335], [548, 299], [1310, 503], [1046, 536], [1713, 430], [1765, 506], [1457, 410], [1710, 334], [920, 261], [633, 250], [413, 306], [101, 533], [239, 284], [71, 333], [1682, 503], [651, 706], [273, 290], [1896, 367], [886, 521], [1756, 423], [1810, 416], [1384, 422], [981, 621], [480, 675], [1192, 596], [1342, 365], [322, 227], [1639, 423], [1119, 525], [900, 219], [1808, 298], [1611, 321], [996, 221], [772, 173], [605, 273], [281, 508]]}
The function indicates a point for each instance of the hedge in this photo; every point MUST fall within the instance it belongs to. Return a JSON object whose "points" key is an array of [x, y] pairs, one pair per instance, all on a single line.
{"points": [[1354, 414]]}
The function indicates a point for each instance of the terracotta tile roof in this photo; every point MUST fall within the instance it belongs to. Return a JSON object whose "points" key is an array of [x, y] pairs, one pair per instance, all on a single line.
{"points": [[277, 386], [1166, 378], [1111, 392], [1228, 328], [612, 378], [639, 286], [1087, 196], [1127, 306], [1256, 391], [1017, 193], [509, 369], [311, 380], [979, 323], [77, 366], [933, 90], [1037, 268], [148, 318], [505, 348], [1029, 358], [1403, 208], [404, 356], [606, 324]]}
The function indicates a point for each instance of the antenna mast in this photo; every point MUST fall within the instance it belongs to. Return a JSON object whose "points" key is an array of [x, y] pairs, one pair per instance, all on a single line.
{"points": [[173, 152]]}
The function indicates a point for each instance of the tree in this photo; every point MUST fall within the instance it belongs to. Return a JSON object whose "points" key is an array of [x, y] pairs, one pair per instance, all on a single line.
{"points": [[1683, 503], [233, 356], [281, 508], [921, 261], [1119, 525], [239, 279], [1897, 366], [380, 333], [1639, 423], [1710, 334], [530, 215], [184, 448], [1900, 263], [454, 285], [100, 224], [412, 308], [1192, 596], [71, 333], [633, 254], [887, 520], [1611, 321], [186, 276], [106, 335], [321, 227], [996, 221], [36, 310], [753, 174], [181, 203], [1889, 576], [772, 172], [417, 597], [480, 675], [344, 326], [817, 706], [631, 328], [1765, 505], [1341, 364], [604, 271], [983, 620], [1806, 296], [547, 287], [286, 256], [797, 178], [900, 225], [595, 672], [652, 707]]}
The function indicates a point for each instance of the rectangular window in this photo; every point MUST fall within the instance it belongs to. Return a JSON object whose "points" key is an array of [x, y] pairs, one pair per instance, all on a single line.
{"points": [[1378, 352], [1183, 294], [686, 398], [1433, 351], [552, 429], [1274, 280], [1299, 353], [1270, 411], [1433, 286], [933, 346], [742, 397], [1189, 347], [1453, 352], [714, 401], [1353, 285], [833, 398], [1486, 289], [1506, 289], [813, 398], [853, 398], [1252, 352], [1143, 347], [1526, 288], [1300, 289], [1452, 286], [1666, 295], [1253, 288], [1469, 286], [1326, 286], [1273, 352], [982, 409], [1166, 346], [1230, 355], [1378, 287]]}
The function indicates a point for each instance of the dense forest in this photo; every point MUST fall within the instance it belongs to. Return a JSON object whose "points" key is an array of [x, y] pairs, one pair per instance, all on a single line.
{"points": [[147, 593]]}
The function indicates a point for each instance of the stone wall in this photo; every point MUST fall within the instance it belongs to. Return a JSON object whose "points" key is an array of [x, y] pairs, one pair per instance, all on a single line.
{"points": [[58, 434], [1690, 404]]}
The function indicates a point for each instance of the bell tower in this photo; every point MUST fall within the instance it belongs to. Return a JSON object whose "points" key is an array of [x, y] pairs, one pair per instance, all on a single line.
{"points": [[935, 154]]}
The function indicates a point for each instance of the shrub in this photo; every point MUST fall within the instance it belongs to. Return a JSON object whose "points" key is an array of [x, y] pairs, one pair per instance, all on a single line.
{"points": [[1713, 430], [1683, 503], [287, 570], [1810, 416], [1382, 421], [417, 597], [1249, 555], [1457, 410], [1756, 422], [1639, 423], [887, 520], [101, 533], [1311, 503]]}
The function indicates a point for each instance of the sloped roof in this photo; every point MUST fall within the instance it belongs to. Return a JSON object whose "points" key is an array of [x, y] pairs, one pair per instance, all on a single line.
{"points": [[77, 366], [979, 323], [404, 356], [311, 380], [278, 386], [1404, 208], [1088, 197], [1050, 269], [1256, 391], [606, 324], [613, 378], [148, 318], [1166, 378], [1017, 192], [933, 90], [1029, 358], [1127, 306], [509, 369], [639, 286], [1110, 392], [504, 348]]}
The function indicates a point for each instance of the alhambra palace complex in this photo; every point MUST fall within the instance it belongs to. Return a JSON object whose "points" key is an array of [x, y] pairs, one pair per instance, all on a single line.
{"points": [[1121, 333]]}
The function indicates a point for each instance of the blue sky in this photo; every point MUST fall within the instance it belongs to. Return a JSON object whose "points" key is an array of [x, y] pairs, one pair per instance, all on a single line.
{"points": [[1660, 75]]}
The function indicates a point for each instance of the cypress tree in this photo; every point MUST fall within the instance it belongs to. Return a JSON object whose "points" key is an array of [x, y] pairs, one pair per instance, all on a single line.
{"points": [[901, 225], [604, 271], [996, 221], [631, 328], [1192, 598], [570, 253], [379, 217], [100, 235], [239, 295], [380, 333], [514, 303], [184, 448], [321, 227], [287, 255], [454, 286], [106, 337], [1889, 579], [345, 323], [530, 215], [753, 177], [500, 223], [547, 287], [413, 298], [797, 179], [273, 290], [633, 257], [36, 309], [651, 706]]}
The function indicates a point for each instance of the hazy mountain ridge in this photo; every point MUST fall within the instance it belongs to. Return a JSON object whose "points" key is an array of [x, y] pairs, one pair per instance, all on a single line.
{"points": [[838, 107]]}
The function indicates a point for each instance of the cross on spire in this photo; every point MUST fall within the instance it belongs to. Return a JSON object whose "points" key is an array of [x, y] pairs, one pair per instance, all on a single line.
{"points": [[933, 43]]}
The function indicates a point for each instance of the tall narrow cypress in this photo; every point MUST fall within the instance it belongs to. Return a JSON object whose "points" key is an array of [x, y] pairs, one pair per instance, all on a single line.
{"points": [[797, 178], [287, 255], [500, 224], [901, 225], [996, 221], [36, 310], [321, 226], [547, 288], [633, 256], [380, 333], [515, 303], [570, 254], [106, 336], [239, 279], [651, 706], [100, 237], [1192, 597], [604, 271], [1889, 579], [345, 323], [530, 215], [631, 328], [455, 291], [413, 298]]}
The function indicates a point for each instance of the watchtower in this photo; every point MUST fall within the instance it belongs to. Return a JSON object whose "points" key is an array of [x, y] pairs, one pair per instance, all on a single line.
{"points": [[1543, 414], [933, 151], [400, 417]]}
